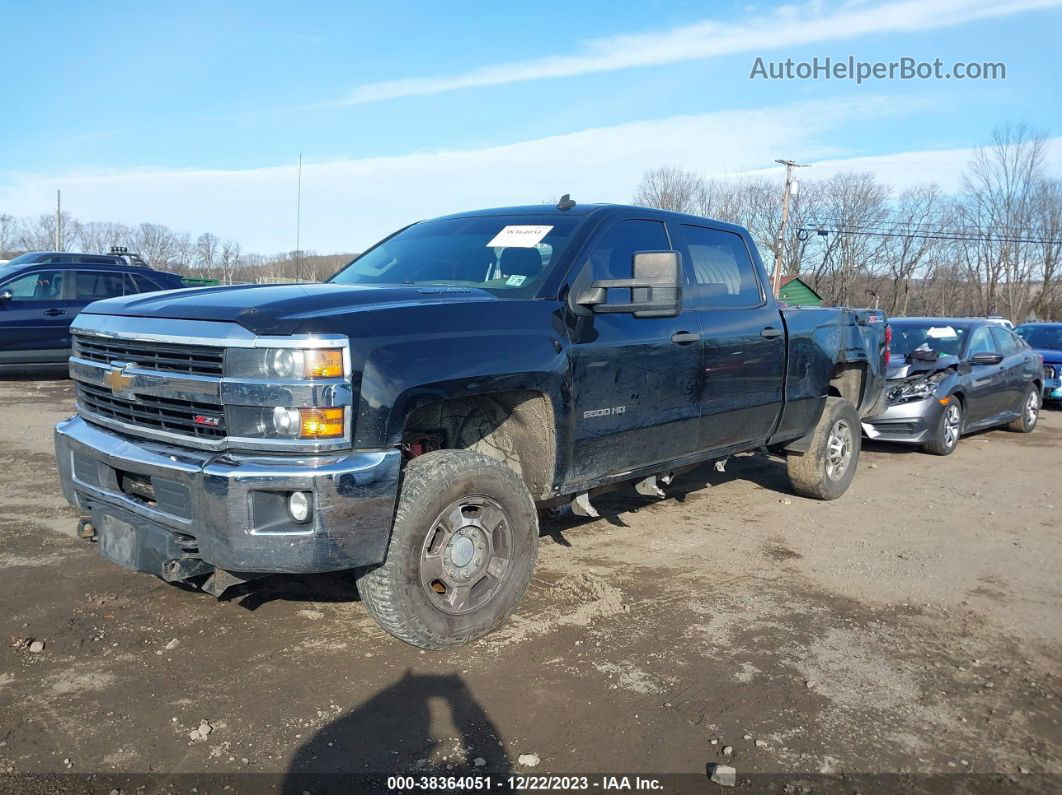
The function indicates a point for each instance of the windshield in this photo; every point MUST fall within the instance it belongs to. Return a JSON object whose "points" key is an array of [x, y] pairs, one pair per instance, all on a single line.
{"points": [[508, 255], [940, 337], [1042, 337], [23, 259]]}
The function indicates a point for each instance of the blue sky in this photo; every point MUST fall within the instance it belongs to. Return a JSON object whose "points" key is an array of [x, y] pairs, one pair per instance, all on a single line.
{"points": [[193, 114]]}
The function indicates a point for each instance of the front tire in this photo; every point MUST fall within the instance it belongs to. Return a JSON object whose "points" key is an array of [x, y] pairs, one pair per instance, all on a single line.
{"points": [[826, 470], [949, 429], [1030, 412], [463, 545]]}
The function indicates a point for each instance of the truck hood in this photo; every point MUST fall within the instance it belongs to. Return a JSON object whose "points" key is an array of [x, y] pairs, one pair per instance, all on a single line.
{"points": [[277, 308], [1050, 355], [901, 368]]}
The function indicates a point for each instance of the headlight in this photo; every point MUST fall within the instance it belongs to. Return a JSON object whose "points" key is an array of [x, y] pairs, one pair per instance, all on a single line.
{"points": [[917, 387], [284, 363], [281, 422]]}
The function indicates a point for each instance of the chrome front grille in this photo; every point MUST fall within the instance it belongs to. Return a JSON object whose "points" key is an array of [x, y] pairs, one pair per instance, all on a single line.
{"points": [[202, 420], [165, 379], [166, 358]]}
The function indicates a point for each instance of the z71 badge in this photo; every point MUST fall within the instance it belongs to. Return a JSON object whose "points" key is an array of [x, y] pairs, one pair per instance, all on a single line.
{"points": [[587, 415]]}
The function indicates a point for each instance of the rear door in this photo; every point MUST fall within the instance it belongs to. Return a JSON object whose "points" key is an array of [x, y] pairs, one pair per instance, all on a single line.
{"points": [[33, 322], [988, 392], [743, 339], [1018, 365], [636, 381]]}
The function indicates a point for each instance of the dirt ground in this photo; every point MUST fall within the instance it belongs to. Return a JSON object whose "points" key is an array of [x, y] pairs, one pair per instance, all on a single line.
{"points": [[914, 626]]}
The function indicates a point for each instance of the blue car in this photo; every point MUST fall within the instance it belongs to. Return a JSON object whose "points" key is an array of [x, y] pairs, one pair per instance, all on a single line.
{"points": [[1046, 340], [42, 292]]}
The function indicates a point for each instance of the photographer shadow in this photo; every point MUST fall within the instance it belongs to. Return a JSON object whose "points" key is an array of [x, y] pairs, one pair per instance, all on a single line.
{"points": [[392, 734]]}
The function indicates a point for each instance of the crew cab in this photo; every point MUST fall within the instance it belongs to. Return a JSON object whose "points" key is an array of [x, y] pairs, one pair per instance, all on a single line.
{"points": [[410, 417], [41, 292]]}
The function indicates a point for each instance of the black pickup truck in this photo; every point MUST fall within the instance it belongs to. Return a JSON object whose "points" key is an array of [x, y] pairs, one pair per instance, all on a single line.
{"points": [[409, 418]]}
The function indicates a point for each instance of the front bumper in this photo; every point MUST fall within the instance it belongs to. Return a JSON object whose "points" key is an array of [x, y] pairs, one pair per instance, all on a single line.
{"points": [[1052, 389], [227, 511], [915, 422]]}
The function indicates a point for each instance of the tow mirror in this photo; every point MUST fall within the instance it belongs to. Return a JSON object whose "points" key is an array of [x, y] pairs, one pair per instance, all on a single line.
{"points": [[986, 358], [655, 289], [6, 295]]}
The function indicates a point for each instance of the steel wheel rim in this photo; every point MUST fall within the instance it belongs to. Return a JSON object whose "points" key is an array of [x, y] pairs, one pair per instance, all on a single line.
{"points": [[466, 554], [1032, 409], [952, 420], [838, 450]]}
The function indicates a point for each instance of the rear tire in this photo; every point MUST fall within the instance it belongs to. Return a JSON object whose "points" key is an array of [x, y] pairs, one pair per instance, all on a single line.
{"points": [[463, 545], [949, 428], [826, 470], [1030, 412]]}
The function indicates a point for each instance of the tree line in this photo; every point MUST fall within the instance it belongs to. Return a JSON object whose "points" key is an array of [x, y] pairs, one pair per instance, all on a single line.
{"points": [[992, 248], [203, 256]]}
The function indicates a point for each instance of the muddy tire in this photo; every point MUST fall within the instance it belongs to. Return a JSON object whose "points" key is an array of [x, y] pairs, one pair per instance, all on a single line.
{"points": [[463, 545], [826, 470], [949, 429], [1030, 412]]}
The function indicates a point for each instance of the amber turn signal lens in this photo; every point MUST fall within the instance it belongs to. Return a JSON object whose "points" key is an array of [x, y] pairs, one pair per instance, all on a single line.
{"points": [[320, 423], [324, 363]]}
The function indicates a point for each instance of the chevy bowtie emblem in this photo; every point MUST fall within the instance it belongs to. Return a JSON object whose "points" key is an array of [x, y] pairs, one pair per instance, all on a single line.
{"points": [[118, 381]]}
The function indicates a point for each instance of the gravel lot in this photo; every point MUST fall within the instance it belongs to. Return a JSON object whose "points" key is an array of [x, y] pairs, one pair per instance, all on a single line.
{"points": [[913, 626]]}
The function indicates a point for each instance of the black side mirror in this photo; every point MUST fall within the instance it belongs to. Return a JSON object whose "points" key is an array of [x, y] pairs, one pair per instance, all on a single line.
{"points": [[655, 287], [6, 295], [986, 358]]}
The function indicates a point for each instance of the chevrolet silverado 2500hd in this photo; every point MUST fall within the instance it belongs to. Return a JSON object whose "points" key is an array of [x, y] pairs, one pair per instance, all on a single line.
{"points": [[409, 417]]}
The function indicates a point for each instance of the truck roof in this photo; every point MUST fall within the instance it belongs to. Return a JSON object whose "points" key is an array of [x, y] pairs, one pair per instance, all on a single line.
{"points": [[600, 210]]}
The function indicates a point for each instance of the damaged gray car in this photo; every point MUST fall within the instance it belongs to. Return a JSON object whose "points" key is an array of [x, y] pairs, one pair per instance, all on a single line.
{"points": [[952, 376]]}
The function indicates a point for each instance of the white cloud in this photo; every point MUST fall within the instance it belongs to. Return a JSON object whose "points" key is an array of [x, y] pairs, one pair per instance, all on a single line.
{"points": [[348, 204], [788, 26]]}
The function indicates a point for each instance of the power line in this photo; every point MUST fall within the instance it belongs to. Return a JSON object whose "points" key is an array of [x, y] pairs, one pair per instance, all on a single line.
{"points": [[931, 235]]}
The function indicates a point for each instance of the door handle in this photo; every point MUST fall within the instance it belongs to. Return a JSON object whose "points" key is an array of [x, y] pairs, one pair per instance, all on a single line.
{"points": [[54, 312], [684, 337], [770, 333]]}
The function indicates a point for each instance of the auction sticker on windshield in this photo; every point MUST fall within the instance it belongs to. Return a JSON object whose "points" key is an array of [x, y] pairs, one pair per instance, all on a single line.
{"points": [[519, 236], [942, 333]]}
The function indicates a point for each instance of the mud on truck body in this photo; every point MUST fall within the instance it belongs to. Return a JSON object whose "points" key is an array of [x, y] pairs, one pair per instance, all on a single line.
{"points": [[409, 418]]}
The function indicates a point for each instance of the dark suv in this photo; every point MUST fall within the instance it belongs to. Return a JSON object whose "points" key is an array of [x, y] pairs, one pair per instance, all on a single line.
{"points": [[41, 293]]}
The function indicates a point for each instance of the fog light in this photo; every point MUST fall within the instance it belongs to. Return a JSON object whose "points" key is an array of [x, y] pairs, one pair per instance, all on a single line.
{"points": [[299, 506]]}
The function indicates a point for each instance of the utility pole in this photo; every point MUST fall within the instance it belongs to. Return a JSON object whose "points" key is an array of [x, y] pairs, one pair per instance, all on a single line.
{"points": [[779, 242], [298, 222], [58, 220]]}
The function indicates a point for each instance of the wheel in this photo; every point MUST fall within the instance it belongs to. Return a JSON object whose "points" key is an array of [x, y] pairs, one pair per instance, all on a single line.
{"points": [[948, 430], [463, 544], [826, 470], [1030, 412]]}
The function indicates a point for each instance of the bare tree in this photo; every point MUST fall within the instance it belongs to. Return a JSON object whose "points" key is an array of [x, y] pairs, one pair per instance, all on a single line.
{"points": [[670, 188], [7, 233], [206, 252], [999, 186]]}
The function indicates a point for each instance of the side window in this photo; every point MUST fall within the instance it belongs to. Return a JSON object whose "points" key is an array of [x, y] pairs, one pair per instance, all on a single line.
{"points": [[143, 283], [94, 285], [39, 286], [1005, 342], [613, 255], [982, 341], [723, 273]]}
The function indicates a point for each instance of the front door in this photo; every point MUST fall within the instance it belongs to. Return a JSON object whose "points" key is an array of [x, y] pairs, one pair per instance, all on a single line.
{"points": [[636, 382], [988, 382], [34, 321]]}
